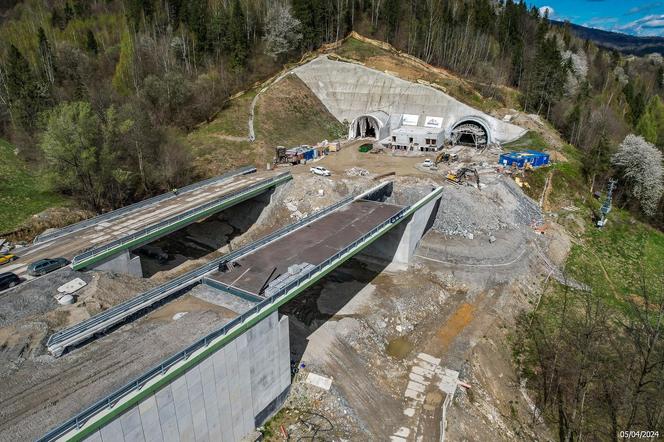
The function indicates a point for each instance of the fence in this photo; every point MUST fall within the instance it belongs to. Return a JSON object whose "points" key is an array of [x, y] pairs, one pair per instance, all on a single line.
{"points": [[78, 421], [79, 260], [127, 209]]}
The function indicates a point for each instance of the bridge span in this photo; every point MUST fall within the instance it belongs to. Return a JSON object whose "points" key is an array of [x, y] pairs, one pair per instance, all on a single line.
{"points": [[249, 284], [97, 240]]}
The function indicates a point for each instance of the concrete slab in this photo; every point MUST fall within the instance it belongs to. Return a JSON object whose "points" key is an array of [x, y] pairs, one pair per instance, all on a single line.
{"points": [[313, 244], [73, 243], [112, 432]]}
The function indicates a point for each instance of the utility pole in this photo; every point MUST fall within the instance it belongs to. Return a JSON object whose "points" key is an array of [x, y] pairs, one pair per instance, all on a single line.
{"points": [[606, 207]]}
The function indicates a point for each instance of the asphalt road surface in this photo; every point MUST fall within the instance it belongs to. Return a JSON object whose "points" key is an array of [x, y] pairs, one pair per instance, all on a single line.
{"points": [[106, 231], [313, 244]]}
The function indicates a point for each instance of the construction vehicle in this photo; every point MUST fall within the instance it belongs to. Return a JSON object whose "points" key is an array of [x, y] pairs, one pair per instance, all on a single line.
{"points": [[458, 176], [281, 157], [445, 157]]}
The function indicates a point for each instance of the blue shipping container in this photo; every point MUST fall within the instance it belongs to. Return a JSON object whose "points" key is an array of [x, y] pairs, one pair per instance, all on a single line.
{"points": [[308, 154], [535, 158]]}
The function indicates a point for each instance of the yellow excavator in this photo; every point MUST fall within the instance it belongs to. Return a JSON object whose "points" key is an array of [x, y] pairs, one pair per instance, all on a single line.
{"points": [[458, 176], [445, 157]]}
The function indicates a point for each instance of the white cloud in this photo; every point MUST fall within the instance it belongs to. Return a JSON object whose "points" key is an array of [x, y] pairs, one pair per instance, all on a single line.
{"points": [[649, 25], [544, 9]]}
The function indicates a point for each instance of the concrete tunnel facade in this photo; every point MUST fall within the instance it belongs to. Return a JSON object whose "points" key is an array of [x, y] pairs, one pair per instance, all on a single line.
{"points": [[362, 95], [371, 125]]}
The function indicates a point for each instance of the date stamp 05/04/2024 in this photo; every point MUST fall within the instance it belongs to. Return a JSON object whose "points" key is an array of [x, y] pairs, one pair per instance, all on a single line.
{"points": [[638, 434]]}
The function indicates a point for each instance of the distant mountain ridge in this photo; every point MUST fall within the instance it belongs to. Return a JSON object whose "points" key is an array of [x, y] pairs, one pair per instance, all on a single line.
{"points": [[628, 44]]}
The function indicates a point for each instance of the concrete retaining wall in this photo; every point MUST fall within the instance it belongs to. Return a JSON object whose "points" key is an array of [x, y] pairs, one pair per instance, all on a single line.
{"points": [[222, 399], [124, 262], [350, 90]]}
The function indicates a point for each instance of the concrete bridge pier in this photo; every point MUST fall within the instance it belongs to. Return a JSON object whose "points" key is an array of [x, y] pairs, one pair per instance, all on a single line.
{"points": [[398, 245], [124, 262]]}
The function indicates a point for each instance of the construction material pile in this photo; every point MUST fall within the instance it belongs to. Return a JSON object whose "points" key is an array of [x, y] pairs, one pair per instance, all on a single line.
{"points": [[357, 171], [465, 211]]}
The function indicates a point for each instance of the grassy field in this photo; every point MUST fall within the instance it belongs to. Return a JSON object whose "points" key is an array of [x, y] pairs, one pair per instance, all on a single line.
{"points": [[620, 260], [567, 184], [530, 140], [22, 193], [359, 50], [287, 114]]}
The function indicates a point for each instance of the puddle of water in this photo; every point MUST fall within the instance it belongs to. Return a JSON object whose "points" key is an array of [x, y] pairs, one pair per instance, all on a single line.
{"points": [[399, 348]]}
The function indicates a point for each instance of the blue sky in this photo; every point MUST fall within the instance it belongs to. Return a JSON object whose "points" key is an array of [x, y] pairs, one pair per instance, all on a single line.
{"points": [[636, 17]]}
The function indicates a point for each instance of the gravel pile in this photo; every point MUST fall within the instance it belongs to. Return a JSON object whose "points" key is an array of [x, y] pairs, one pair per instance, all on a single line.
{"points": [[357, 171], [464, 211]]}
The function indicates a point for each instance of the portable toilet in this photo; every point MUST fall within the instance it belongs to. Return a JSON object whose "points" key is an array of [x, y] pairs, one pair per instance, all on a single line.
{"points": [[308, 154]]}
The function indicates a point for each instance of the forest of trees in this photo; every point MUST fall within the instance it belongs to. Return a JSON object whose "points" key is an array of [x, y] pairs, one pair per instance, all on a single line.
{"points": [[164, 67]]}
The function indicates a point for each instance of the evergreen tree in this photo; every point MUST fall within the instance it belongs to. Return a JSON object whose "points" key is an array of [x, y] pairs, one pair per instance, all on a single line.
{"points": [[306, 11], [597, 160], [175, 12], [136, 10], [45, 56], [217, 33], [25, 96], [91, 42], [635, 96], [123, 79], [197, 22], [392, 18], [651, 122], [546, 81], [237, 34]]}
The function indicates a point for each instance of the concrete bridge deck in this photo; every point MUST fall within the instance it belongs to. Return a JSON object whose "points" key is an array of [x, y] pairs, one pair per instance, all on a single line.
{"points": [[313, 244], [102, 380], [39, 394], [130, 229]]}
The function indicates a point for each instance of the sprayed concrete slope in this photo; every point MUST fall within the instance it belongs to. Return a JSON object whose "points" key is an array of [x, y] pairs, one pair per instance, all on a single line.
{"points": [[350, 90]]}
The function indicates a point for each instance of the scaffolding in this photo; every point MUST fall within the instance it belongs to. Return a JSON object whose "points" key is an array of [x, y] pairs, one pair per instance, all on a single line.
{"points": [[470, 133]]}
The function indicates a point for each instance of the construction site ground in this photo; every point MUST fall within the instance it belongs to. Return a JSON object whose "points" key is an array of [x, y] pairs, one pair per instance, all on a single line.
{"points": [[369, 330]]}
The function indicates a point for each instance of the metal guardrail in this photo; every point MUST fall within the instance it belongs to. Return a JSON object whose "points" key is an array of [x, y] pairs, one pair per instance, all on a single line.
{"points": [[78, 421], [96, 251], [247, 296], [132, 207], [82, 331]]}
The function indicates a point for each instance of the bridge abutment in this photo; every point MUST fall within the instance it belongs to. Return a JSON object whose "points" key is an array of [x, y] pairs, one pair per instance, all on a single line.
{"points": [[398, 245], [224, 398], [124, 262]]}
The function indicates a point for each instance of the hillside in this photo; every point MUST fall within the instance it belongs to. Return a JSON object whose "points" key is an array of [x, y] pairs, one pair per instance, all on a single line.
{"points": [[23, 193], [286, 113], [627, 44], [125, 100]]}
